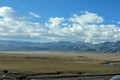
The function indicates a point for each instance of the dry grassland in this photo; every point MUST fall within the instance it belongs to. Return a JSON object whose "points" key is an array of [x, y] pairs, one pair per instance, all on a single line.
{"points": [[57, 61]]}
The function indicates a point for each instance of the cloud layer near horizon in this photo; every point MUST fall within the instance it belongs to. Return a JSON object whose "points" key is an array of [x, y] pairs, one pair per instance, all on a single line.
{"points": [[87, 27]]}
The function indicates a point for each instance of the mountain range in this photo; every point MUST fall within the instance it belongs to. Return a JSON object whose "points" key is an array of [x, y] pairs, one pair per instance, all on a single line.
{"points": [[106, 47]]}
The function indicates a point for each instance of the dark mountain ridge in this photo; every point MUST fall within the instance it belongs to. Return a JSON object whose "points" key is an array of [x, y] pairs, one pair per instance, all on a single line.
{"points": [[106, 47]]}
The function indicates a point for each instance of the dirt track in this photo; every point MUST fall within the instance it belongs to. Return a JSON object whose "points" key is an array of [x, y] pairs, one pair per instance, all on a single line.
{"points": [[73, 77], [56, 76]]}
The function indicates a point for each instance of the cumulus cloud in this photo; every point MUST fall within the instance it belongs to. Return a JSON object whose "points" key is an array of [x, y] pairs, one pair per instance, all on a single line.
{"points": [[8, 12], [13, 27], [54, 23], [86, 17], [87, 27]]}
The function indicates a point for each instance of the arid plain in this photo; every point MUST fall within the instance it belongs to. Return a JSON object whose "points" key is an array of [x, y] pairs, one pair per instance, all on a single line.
{"points": [[60, 61]]}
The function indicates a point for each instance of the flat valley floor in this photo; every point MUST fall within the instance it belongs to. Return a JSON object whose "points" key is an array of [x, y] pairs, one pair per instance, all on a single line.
{"points": [[56, 64]]}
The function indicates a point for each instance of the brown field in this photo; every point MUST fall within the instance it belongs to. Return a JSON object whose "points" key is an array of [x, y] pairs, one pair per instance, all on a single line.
{"points": [[58, 61]]}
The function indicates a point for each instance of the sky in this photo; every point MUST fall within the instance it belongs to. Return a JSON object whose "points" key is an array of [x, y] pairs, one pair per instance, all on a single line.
{"points": [[92, 21]]}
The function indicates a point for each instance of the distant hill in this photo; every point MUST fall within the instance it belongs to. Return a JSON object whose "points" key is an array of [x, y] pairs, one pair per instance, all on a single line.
{"points": [[106, 47]]}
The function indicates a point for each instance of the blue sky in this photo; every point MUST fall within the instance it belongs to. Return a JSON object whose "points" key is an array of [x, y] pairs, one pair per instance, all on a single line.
{"points": [[109, 9], [60, 20]]}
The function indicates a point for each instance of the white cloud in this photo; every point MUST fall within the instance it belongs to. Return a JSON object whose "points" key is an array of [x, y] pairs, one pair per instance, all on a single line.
{"points": [[88, 27], [86, 17], [34, 15], [8, 12], [54, 22], [118, 22], [12, 26]]}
